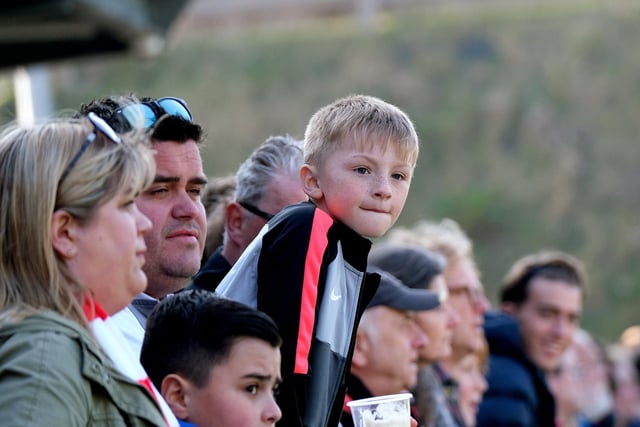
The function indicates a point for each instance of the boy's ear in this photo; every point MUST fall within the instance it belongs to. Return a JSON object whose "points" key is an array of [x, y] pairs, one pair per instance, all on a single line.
{"points": [[310, 181], [64, 228], [233, 222], [175, 390]]}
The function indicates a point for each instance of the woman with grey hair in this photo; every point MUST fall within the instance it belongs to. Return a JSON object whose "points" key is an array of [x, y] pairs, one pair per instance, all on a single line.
{"points": [[420, 268]]}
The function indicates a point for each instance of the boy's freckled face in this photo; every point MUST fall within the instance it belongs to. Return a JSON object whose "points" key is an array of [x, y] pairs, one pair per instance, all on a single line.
{"points": [[364, 188]]}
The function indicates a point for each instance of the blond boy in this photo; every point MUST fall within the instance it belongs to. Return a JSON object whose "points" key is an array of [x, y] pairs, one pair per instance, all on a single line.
{"points": [[306, 268]]}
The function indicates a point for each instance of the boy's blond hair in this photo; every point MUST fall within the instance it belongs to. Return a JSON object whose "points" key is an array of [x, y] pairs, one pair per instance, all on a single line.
{"points": [[359, 119]]}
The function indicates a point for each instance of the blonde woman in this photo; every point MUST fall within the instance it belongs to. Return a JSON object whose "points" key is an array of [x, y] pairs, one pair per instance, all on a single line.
{"points": [[71, 254]]}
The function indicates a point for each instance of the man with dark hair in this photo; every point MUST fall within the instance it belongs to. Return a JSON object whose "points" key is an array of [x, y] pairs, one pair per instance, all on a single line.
{"points": [[541, 302], [215, 361], [172, 203]]}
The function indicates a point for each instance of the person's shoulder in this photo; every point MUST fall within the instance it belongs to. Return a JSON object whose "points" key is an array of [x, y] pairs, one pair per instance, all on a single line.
{"points": [[510, 379], [303, 215], [298, 211], [505, 368], [502, 331], [46, 345], [55, 373], [42, 376], [511, 397], [43, 323], [47, 341], [211, 273], [495, 318]]}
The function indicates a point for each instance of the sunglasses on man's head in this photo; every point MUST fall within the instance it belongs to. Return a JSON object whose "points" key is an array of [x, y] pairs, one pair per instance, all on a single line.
{"points": [[99, 125], [145, 114]]}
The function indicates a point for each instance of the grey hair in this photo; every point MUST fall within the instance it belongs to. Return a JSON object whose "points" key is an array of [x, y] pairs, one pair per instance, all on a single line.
{"points": [[277, 155]]}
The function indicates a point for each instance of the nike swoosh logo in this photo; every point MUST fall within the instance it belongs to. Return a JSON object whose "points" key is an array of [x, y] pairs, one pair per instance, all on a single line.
{"points": [[334, 296]]}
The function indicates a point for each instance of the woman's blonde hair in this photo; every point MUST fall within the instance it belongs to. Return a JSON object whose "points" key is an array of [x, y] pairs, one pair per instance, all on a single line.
{"points": [[32, 188]]}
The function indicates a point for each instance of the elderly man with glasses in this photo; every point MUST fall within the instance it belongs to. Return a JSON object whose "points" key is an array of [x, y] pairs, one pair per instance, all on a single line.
{"points": [[266, 182]]}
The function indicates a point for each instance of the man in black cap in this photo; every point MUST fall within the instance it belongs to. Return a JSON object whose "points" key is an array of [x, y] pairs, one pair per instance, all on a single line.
{"points": [[385, 358]]}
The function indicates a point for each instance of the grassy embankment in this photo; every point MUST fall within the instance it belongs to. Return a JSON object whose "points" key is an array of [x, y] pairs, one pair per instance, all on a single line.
{"points": [[528, 116]]}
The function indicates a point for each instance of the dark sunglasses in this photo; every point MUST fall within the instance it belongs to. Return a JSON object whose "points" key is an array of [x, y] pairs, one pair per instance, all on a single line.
{"points": [[145, 114], [99, 125], [254, 210]]}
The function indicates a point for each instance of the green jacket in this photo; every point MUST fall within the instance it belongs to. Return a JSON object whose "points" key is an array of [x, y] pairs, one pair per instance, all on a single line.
{"points": [[54, 374]]}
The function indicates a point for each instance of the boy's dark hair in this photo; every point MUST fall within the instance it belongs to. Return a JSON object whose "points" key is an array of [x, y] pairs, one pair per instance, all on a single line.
{"points": [[193, 330], [550, 265], [168, 128]]}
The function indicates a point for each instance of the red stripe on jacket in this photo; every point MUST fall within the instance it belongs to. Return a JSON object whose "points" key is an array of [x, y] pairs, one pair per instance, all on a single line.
{"points": [[317, 246]]}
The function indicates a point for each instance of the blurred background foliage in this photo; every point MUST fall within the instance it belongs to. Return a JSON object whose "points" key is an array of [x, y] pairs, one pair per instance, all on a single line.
{"points": [[528, 114]]}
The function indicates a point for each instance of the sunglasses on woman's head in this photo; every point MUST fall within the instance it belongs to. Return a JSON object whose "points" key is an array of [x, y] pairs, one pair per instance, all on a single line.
{"points": [[145, 114], [99, 125]]}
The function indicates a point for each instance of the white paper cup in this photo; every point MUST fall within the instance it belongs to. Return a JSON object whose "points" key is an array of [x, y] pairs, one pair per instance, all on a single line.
{"points": [[383, 411]]}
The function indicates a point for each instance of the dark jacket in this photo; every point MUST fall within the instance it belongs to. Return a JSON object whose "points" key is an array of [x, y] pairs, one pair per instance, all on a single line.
{"points": [[212, 272], [307, 272], [518, 395]]}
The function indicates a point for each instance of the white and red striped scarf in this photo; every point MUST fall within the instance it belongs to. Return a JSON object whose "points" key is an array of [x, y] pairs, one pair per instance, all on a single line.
{"points": [[114, 344]]}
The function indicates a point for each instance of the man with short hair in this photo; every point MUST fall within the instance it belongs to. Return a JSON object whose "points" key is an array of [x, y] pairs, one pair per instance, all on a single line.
{"points": [[172, 203], [266, 182], [541, 304], [388, 339]]}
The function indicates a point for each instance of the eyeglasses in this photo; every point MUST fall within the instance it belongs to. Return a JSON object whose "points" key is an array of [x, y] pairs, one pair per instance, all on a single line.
{"points": [[254, 210], [99, 125], [473, 295], [145, 114]]}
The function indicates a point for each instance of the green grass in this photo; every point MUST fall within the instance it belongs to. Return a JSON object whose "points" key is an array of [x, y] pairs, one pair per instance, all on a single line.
{"points": [[528, 114]]}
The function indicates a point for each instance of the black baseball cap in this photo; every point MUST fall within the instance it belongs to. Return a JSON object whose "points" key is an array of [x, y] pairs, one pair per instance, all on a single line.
{"points": [[393, 293]]}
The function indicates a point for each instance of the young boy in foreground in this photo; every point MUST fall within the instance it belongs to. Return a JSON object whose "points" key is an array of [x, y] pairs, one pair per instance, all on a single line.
{"points": [[306, 268], [216, 361]]}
